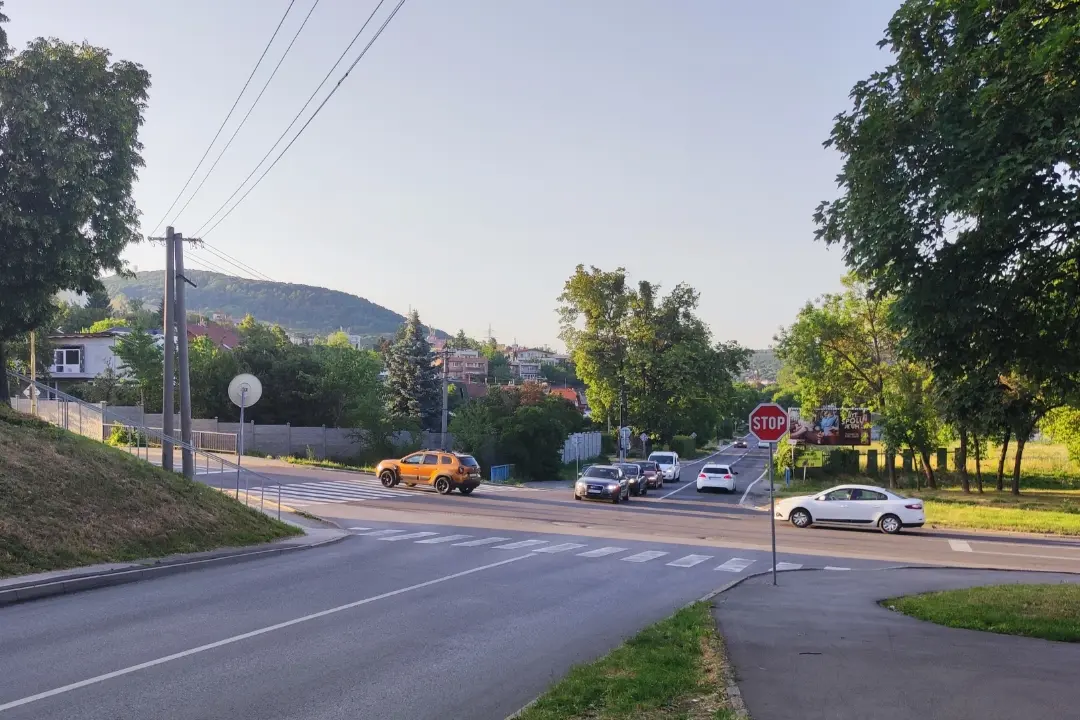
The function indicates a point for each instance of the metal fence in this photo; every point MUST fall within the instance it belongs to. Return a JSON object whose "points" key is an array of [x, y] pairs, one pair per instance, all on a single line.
{"points": [[216, 442], [96, 422], [501, 473]]}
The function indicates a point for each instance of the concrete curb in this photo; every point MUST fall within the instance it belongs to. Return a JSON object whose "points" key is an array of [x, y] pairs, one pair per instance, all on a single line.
{"points": [[80, 581]]}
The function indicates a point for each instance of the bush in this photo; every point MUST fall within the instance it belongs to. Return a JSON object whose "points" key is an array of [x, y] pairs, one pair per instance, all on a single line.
{"points": [[684, 445], [842, 460], [122, 436], [609, 445]]}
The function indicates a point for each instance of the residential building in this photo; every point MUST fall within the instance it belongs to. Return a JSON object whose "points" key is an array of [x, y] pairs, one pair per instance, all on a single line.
{"points": [[466, 365], [80, 357], [525, 371], [224, 337]]}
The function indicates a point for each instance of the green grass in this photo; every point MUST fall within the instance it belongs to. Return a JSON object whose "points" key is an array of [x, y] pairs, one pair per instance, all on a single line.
{"points": [[332, 464], [673, 670], [66, 501], [1050, 612]]}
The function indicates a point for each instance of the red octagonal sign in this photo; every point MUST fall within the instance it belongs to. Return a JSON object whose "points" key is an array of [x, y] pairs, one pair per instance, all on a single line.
{"points": [[768, 422]]}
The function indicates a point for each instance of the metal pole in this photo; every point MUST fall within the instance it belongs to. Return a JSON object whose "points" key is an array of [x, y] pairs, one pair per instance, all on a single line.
{"points": [[279, 501], [33, 374], [169, 329], [188, 460], [445, 396], [240, 440], [772, 512]]}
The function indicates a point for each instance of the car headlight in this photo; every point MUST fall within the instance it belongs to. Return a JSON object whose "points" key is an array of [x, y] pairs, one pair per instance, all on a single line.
{"points": [[580, 486], [613, 486]]}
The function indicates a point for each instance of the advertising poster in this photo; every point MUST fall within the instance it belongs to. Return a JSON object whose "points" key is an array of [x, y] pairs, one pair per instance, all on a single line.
{"points": [[830, 426]]}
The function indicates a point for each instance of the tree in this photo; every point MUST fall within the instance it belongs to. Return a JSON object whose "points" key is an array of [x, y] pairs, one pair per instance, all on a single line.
{"points": [[959, 193], [98, 299], [144, 365], [414, 391], [106, 325], [461, 341], [348, 384], [69, 152]]}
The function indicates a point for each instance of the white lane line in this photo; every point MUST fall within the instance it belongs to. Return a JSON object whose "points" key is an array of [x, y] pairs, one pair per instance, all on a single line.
{"points": [[560, 548], [481, 541], [521, 544], [788, 566], [960, 545], [254, 633], [830, 567], [410, 536], [379, 533], [359, 528], [601, 552], [735, 565], [644, 556], [443, 539], [742, 500], [689, 560]]}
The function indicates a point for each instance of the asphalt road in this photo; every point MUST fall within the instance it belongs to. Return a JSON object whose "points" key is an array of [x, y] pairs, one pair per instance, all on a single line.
{"points": [[396, 625]]}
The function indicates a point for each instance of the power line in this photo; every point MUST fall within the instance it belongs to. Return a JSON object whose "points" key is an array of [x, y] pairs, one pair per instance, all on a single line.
{"points": [[206, 264], [301, 111], [229, 115], [234, 262], [247, 114]]}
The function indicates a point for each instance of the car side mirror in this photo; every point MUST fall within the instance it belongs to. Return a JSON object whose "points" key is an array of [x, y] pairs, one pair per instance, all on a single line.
{"points": [[735, 472]]}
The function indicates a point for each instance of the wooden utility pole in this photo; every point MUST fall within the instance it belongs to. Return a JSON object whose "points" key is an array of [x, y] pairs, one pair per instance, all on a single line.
{"points": [[179, 282], [33, 373], [168, 322]]}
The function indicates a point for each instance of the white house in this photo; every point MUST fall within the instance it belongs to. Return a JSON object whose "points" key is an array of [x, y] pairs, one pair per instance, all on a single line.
{"points": [[83, 356]]}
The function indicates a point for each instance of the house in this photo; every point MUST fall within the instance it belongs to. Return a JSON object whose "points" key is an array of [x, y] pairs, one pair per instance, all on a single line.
{"points": [[570, 395], [225, 338], [79, 357], [525, 371], [466, 365]]}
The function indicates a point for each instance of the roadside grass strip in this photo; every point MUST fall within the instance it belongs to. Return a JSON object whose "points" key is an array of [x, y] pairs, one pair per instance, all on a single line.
{"points": [[1050, 612], [675, 669], [955, 514]]}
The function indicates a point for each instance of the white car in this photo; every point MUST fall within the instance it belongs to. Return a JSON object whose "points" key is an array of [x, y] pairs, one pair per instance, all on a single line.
{"points": [[854, 506], [670, 469], [762, 445], [719, 477]]}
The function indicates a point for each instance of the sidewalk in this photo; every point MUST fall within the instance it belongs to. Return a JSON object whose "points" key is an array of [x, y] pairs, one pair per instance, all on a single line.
{"points": [[820, 647]]}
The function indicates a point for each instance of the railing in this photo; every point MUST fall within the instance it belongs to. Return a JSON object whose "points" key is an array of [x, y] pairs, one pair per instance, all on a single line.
{"points": [[501, 473], [95, 422], [217, 442]]}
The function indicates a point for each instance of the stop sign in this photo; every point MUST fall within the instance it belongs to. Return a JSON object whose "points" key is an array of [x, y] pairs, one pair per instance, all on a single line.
{"points": [[768, 422]]}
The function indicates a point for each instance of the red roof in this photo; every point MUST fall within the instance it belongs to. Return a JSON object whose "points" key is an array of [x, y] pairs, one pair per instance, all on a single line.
{"points": [[221, 336], [566, 393]]}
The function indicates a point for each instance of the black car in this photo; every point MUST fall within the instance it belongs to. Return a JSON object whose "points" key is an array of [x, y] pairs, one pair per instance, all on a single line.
{"points": [[740, 443], [653, 477], [638, 484], [602, 482]]}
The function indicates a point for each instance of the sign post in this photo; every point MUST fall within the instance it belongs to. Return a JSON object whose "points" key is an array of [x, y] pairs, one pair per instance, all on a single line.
{"points": [[244, 390], [769, 423]]}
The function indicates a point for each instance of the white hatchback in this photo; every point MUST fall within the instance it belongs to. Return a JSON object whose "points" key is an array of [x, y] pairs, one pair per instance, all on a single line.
{"points": [[854, 506], [716, 477]]}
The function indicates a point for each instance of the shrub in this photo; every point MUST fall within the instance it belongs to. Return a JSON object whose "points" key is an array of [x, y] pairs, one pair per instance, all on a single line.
{"points": [[684, 445]]}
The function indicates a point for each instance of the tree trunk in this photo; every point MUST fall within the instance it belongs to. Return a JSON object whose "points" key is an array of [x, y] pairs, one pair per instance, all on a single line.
{"points": [[961, 460], [1021, 441], [931, 481], [978, 463], [3, 370], [1001, 460]]}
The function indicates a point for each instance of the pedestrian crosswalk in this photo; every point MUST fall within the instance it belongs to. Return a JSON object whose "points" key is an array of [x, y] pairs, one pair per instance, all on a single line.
{"points": [[544, 546], [358, 490]]}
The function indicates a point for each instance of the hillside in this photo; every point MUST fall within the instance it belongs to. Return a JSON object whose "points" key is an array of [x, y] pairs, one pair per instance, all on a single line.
{"points": [[763, 365], [66, 501], [301, 308]]}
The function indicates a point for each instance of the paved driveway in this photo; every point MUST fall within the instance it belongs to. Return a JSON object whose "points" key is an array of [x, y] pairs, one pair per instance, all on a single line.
{"points": [[819, 646]]}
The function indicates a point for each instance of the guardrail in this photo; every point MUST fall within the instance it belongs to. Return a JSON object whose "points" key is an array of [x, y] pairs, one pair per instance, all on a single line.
{"points": [[71, 413], [217, 442], [501, 473]]}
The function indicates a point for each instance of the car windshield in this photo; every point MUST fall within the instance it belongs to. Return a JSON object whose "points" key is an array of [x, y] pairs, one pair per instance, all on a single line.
{"points": [[603, 473], [630, 469], [664, 459], [716, 470], [467, 461], [648, 467]]}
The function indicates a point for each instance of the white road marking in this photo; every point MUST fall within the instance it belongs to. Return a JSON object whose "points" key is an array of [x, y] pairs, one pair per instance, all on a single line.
{"points": [[410, 536], [359, 528], [689, 560], [560, 548], [245, 636], [601, 552], [830, 567], [644, 556], [788, 566], [443, 539], [481, 541], [735, 565], [378, 533], [742, 500], [960, 545], [521, 544]]}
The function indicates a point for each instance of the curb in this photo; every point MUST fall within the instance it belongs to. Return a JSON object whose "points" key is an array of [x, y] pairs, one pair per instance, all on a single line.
{"points": [[89, 581]]}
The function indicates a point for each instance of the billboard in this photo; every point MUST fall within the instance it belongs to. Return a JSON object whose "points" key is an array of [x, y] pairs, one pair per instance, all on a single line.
{"points": [[830, 426]]}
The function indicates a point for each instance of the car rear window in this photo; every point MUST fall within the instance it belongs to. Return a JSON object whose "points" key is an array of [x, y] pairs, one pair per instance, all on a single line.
{"points": [[631, 469], [716, 470], [467, 460], [605, 473], [664, 459], [648, 466]]}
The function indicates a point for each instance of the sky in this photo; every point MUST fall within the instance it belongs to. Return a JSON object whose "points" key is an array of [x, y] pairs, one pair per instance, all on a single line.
{"points": [[482, 149]]}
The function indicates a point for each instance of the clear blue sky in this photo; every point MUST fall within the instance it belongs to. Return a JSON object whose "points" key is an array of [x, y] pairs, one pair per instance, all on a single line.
{"points": [[483, 148]]}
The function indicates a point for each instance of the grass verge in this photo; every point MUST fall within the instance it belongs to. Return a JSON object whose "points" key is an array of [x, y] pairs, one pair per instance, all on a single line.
{"points": [[675, 669], [67, 501], [328, 464], [1050, 612]]}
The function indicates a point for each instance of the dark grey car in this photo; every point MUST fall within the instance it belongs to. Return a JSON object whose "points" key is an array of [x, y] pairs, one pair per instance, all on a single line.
{"points": [[602, 482], [638, 484]]}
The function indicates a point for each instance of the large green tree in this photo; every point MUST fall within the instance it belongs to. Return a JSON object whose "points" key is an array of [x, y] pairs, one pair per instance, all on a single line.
{"points": [[69, 152], [960, 195], [413, 390]]}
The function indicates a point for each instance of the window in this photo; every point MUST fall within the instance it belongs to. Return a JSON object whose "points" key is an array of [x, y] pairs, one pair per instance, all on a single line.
{"points": [[716, 470], [446, 460], [603, 473], [431, 459], [467, 460], [663, 459], [839, 495], [412, 460], [868, 495], [66, 356]]}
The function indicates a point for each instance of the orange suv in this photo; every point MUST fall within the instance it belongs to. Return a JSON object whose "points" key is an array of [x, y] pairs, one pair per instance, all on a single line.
{"points": [[442, 470]]}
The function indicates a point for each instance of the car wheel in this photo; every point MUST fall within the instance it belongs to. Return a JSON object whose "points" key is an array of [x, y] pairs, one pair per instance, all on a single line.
{"points": [[644, 490], [388, 479], [577, 497], [443, 486], [466, 490], [616, 498], [701, 489], [890, 524], [800, 518]]}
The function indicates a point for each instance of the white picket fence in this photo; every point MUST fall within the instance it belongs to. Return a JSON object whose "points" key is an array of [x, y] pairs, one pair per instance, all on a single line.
{"points": [[581, 446]]}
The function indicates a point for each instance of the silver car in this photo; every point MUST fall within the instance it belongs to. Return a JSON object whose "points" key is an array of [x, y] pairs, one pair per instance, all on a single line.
{"points": [[602, 482]]}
